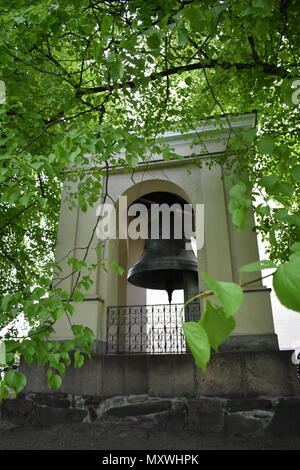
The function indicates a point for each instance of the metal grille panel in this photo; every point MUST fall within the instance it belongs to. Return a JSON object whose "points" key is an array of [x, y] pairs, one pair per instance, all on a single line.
{"points": [[149, 329]]}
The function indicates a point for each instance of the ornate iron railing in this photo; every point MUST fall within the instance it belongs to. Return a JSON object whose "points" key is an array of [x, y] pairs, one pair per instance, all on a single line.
{"points": [[148, 329]]}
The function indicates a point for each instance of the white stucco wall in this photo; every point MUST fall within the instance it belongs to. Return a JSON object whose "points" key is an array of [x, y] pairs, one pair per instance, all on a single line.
{"points": [[224, 250]]}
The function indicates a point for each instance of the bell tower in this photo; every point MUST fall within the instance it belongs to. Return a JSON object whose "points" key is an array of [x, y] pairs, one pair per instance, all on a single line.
{"points": [[137, 345]]}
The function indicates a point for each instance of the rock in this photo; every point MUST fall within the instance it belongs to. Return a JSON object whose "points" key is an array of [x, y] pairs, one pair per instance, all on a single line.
{"points": [[92, 414], [135, 405], [148, 413], [205, 415], [76, 401], [136, 409], [133, 399], [248, 404], [92, 401], [153, 421], [176, 420], [243, 423], [45, 416], [167, 420], [286, 420], [50, 399], [17, 410], [6, 426]]}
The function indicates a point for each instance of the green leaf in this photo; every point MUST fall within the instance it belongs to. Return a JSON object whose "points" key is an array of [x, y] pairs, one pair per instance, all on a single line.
{"points": [[77, 264], [263, 210], [240, 218], [284, 150], [263, 4], [296, 173], [68, 346], [153, 40], [77, 329], [106, 24], [183, 36], [129, 44], [77, 296], [37, 165], [196, 18], [54, 381], [61, 152], [116, 68], [217, 324], [233, 205], [238, 190], [7, 300], [4, 393], [269, 180], [15, 380], [41, 354], [37, 293], [249, 136], [11, 346], [228, 293], [49, 375], [82, 202], [294, 256], [78, 359], [295, 247], [266, 145], [59, 366], [283, 216], [70, 308], [286, 282], [65, 357], [257, 266], [58, 313], [10, 358], [119, 270], [133, 160], [198, 342], [285, 188]]}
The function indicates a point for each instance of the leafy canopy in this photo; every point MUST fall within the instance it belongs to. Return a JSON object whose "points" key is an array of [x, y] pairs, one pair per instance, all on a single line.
{"points": [[80, 76]]}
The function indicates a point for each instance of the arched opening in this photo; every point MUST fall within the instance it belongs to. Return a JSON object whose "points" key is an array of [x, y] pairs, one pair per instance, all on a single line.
{"points": [[165, 258], [161, 273], [130, 250]]}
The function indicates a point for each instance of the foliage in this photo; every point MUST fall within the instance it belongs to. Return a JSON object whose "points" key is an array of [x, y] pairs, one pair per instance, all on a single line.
{"points": [[80, 77]]}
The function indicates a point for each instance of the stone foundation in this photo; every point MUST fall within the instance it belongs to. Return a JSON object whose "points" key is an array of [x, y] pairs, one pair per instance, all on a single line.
{"points": [[278, 417], [249, 388]]}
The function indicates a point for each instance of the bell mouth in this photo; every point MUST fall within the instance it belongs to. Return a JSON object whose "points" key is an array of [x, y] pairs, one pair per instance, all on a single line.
{"points": [[159, 279]]}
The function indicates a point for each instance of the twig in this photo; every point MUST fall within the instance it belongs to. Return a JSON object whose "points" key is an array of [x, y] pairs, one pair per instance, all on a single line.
{"points": [[17, 215], [210, 292]]}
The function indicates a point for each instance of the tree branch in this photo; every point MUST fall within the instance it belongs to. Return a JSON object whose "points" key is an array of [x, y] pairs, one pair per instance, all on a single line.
{"points": [[208, 293], [254, 53], [269, 69], [17, 215]]}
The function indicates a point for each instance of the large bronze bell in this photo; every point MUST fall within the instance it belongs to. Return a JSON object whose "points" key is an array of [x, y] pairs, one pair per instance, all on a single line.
{"points": [[164, 264]]}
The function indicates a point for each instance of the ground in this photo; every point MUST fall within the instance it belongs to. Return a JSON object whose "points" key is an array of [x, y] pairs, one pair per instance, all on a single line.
{"points": [[117, 436]]}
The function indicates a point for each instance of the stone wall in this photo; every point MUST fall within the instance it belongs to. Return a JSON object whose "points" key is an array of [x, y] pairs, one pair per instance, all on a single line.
{"points": [[241, 393], [261, 416], [234, 374]]}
